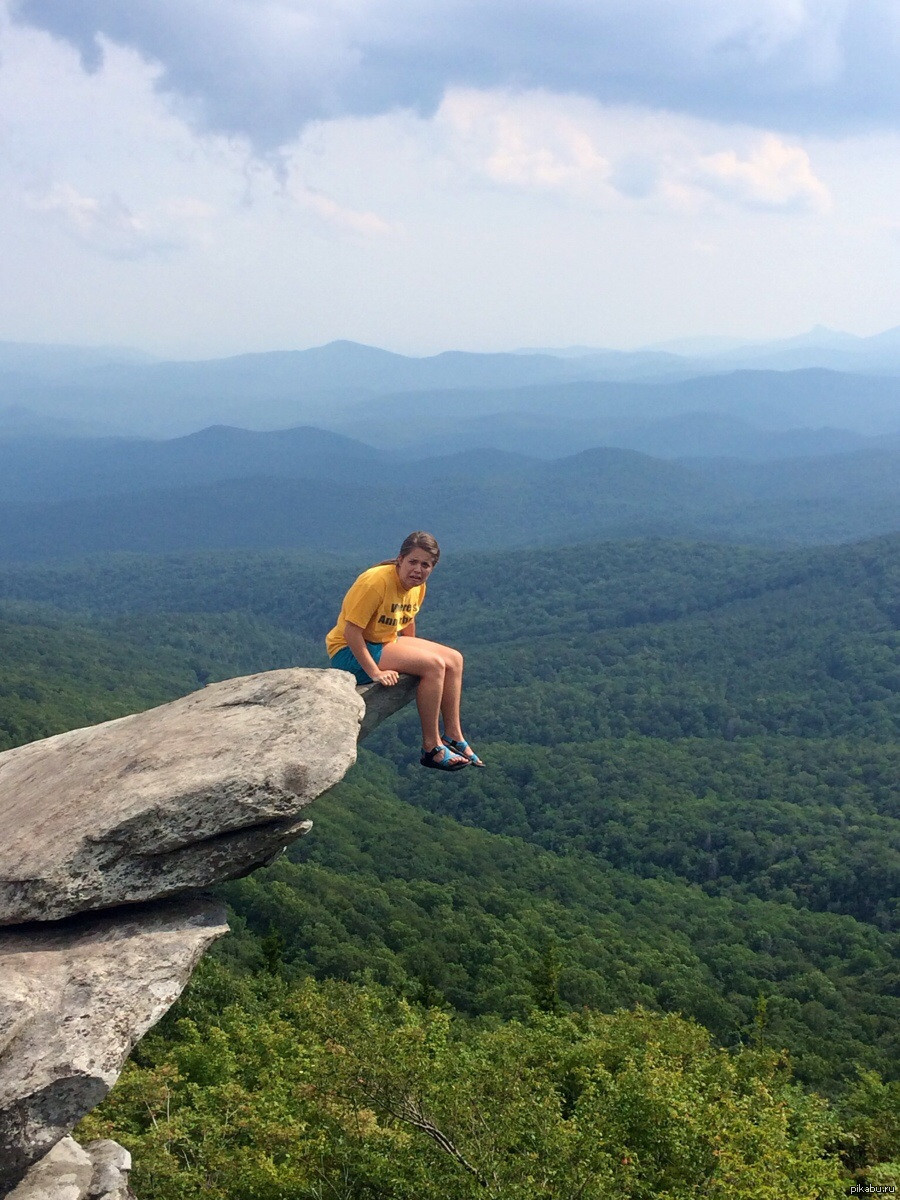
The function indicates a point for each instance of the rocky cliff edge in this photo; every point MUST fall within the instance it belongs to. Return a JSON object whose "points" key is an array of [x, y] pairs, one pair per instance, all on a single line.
{"points": [[106, 835]]}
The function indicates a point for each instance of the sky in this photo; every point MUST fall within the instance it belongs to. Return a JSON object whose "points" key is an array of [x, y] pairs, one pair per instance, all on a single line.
{"points": [[199, 178]]}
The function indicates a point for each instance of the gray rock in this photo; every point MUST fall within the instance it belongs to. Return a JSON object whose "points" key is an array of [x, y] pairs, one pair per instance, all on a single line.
{"points": [[383, 702], [203, 789], [64, 1173], [196, 791], [74, 999], [97, 1171], [112, 1164]]}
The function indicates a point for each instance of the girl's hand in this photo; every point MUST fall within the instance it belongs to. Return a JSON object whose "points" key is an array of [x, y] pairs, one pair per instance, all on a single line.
{"points": [[388, 678]]}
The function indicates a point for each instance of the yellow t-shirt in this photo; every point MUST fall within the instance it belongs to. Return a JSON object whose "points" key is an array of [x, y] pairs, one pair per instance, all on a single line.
{"points": [[377, 603]]}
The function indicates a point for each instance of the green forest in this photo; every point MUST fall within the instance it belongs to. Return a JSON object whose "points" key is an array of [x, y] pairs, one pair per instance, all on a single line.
{"points": [[651, 952]]}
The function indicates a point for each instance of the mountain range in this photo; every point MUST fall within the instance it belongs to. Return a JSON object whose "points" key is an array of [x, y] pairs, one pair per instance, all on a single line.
{"points": [[120, 391], [475, 502], [488, 450], [42, 469]]}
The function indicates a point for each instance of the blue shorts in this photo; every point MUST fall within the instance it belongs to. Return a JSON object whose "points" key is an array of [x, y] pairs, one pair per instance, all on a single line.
{"points": [[346, 660]]}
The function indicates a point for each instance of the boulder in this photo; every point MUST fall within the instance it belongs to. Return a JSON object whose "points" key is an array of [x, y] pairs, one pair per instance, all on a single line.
{"points": [[74, 999], [117, 817], [97, 1171], [112, 1165], [383, 702], [203, 789], [64, 1173]]}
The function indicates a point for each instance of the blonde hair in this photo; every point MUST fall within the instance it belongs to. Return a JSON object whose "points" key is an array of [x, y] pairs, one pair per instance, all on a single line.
{"points": [[419, 540]]}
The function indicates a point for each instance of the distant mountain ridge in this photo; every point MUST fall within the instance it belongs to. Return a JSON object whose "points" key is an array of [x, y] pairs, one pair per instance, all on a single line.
{"points": [[571, 415], [130, 395], [818, 347], [36, 467], [601, 493], [821, 347], [52, 468], [276, 388]]}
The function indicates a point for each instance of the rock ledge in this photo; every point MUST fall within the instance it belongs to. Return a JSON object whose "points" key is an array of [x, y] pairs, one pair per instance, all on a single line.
{"points": [[200, 790], [74, 999]]}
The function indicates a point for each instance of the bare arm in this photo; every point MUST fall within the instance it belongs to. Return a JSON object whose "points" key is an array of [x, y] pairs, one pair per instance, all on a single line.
{"points": [[409, 630], [354, 635]]}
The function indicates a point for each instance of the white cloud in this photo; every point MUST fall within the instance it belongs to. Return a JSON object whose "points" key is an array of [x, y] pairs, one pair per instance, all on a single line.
{"points": [[106, 158], [525, 140], [774, 176], [515, 215], [574, 147], [338, 216], [107, 225]]}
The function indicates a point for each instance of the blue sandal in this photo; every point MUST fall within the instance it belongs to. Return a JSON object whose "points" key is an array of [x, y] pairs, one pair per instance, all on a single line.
{"points": [[460, 748], [444, 763]]}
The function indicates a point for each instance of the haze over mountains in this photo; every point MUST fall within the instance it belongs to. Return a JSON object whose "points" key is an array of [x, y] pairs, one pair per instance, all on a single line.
{"points": [[344, 444], [127, 394], [476, 503]]}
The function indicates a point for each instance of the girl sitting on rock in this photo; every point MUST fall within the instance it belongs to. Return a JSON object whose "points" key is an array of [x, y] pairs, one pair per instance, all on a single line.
{"points": [[375, 640]]}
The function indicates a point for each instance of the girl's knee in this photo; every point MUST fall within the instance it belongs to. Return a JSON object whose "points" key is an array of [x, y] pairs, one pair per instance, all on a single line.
{"points": [[452, 658]]}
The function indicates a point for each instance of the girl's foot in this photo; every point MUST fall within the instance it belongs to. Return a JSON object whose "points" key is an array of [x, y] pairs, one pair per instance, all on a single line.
{"points": [[441, 759], [462, 747]]}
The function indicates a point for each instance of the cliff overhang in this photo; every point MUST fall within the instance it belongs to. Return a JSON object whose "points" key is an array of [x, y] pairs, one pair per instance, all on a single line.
{"points": [[108, 835]]}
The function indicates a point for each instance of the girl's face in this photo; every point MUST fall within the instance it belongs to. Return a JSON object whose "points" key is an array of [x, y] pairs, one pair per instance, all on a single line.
{"points": [[414, 568]]}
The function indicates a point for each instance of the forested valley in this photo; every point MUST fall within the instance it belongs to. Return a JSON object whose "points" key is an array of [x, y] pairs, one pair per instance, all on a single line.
{"points": [[651, 952]]}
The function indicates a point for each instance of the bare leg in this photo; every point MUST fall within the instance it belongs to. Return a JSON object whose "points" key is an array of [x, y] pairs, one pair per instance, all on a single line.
{"points": [[453, 676], [428, 702], [416, 656]]}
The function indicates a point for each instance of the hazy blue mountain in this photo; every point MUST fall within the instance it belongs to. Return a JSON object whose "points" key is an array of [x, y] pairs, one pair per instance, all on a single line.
{"points": [[820, 337], [602, 493], [886, 342], [19, 422], [469, 433], [570, 351], [790, 400], [820, 347], [610, 493], [699, 347], [368, 393], [583, 414], [283, 388], [265, 390], [871, 474], [51, 468], [781, 400], [598, 363], [715, 435], [687, 435]]}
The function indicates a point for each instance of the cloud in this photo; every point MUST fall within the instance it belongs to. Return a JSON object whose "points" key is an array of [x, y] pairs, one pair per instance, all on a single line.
{"points": [[774, 176], [523, 140], [338, 216], [256, 68], [539, 142], [264, 68], [107, 225]]}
